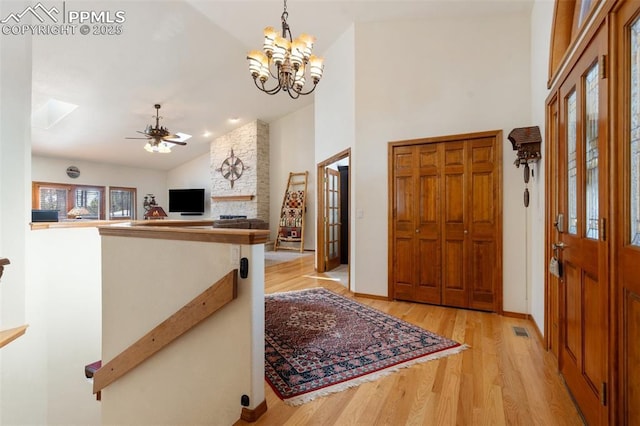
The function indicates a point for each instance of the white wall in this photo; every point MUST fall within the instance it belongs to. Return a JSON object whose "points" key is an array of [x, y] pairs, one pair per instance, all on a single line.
{"points": [[67, 293], [199, 378], [448, 76], [192, 174], [541, 22], [291, 150], [146, 181], [335, 117], [23, 364]]}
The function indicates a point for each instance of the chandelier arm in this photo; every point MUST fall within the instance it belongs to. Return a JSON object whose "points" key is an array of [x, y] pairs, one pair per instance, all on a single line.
{"points": [[272, 91], [276, 76], [291, 92], [300, 92]]}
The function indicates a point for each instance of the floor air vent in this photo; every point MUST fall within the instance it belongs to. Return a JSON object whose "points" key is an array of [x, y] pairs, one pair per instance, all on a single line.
{"points": [[520, 331]]}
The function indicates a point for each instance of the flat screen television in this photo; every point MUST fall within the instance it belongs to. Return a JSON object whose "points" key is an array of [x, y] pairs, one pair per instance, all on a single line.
{"points": [[186, 201]]}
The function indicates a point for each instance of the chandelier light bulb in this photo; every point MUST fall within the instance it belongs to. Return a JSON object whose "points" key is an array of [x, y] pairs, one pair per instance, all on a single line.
{"points": [[281, 50], [299, 80], [286, 60], [316, 67], [298, 48], [264, 72], [270, 35], [256, 61], [308, 41]]}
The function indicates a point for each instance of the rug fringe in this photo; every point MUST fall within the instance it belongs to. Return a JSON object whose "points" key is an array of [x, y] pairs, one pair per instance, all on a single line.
{"points": [[310, 396], [304, 290]]}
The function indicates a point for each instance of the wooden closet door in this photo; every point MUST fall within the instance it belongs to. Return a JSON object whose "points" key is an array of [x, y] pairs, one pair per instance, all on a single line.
{"points": [[428, 220], [471, 220], [445, 221], [403, 253], [483, 224], [415, 270], [454, 246]]}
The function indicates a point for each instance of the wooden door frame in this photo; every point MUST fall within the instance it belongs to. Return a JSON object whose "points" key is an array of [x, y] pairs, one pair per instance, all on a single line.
{"points": [[497, 134], [320, 242], [551, 210]]}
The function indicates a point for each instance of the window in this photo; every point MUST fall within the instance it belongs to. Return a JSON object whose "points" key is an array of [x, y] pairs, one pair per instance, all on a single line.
{"points": [[122, 203], [634, 148], [90, 200], [591, 146], [572, 167]]}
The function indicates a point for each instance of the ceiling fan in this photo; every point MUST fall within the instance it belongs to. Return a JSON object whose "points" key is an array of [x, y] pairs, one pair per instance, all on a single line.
{"points": [[158, 137]]}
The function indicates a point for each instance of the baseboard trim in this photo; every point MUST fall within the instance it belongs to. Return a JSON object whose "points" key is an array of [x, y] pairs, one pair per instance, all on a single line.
{"points": [[516, 315], [541, 339], [249, 415], [371, 296]]}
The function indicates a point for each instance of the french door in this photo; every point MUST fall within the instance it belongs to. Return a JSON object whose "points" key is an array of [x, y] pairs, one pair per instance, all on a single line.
{"points": [[582, 246], [332, 218]]}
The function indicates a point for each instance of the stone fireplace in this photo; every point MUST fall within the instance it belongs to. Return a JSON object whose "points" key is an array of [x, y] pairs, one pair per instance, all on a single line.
{"points": [[240, 173]]}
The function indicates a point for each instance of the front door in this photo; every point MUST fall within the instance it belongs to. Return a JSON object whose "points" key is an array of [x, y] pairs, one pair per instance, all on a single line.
{"points": [[628, 215], [582, 241]]}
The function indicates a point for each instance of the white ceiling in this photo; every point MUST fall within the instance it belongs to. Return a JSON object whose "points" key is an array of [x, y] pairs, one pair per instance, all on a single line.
{"points": [[189, 56]]}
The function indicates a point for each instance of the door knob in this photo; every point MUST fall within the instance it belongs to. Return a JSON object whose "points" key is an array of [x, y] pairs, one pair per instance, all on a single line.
{"points": [[466, 232], [559, 245], [417, 231]]}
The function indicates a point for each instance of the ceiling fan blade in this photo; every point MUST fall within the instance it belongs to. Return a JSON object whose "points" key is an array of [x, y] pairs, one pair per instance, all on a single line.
{"points": [[144, 133], [177, 142], [139, 138]]}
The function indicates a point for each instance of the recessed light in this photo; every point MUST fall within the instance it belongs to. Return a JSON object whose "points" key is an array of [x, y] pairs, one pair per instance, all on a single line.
{"points": [[206, 134], [234, 119]]}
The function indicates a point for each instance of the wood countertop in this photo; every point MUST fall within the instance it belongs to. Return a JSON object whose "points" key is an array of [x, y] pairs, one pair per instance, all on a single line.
{"points": [[185, 231]]}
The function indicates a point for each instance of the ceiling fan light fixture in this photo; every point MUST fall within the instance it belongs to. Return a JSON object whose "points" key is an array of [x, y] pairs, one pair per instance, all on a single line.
{"points": [[162, 147], [159, 138]]}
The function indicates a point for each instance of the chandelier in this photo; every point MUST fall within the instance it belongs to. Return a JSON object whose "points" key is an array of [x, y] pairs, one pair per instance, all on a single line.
{"points": [[286, 60]]}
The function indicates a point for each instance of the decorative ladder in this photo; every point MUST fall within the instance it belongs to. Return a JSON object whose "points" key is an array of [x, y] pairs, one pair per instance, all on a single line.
{"points": [[9, 335], [294, 207]]}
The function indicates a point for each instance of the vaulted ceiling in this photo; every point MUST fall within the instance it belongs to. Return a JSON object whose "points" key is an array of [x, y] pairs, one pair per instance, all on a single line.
{"points": [[188, 56]]}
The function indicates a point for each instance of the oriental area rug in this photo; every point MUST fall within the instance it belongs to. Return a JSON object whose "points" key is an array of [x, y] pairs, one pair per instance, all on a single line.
{"points": [[318, 342]]}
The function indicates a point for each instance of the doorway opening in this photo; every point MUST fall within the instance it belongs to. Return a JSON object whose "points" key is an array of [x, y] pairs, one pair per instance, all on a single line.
{"points": [[333, 217]]}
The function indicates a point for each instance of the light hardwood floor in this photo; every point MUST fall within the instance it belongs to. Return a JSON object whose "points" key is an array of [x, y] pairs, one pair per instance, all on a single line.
{"points": [[501, 380]]}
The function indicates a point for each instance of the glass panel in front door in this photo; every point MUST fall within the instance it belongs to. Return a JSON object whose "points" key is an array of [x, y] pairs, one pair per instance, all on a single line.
{"points": [[591, 147], [634, 157], [572, 178]]}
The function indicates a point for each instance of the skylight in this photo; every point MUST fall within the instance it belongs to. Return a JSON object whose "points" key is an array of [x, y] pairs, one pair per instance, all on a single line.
{"points": [[50, 114]]}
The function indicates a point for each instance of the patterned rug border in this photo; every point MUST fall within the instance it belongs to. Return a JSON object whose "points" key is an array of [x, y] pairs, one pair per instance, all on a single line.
{"points": [[309, 396]]}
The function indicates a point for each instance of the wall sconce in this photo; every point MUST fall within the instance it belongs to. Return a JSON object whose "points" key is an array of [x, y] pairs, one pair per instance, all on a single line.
{"points": [[527, 142]]}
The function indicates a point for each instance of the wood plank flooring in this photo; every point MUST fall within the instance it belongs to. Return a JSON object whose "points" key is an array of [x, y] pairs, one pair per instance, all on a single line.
{"points": [[501, 380]]}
